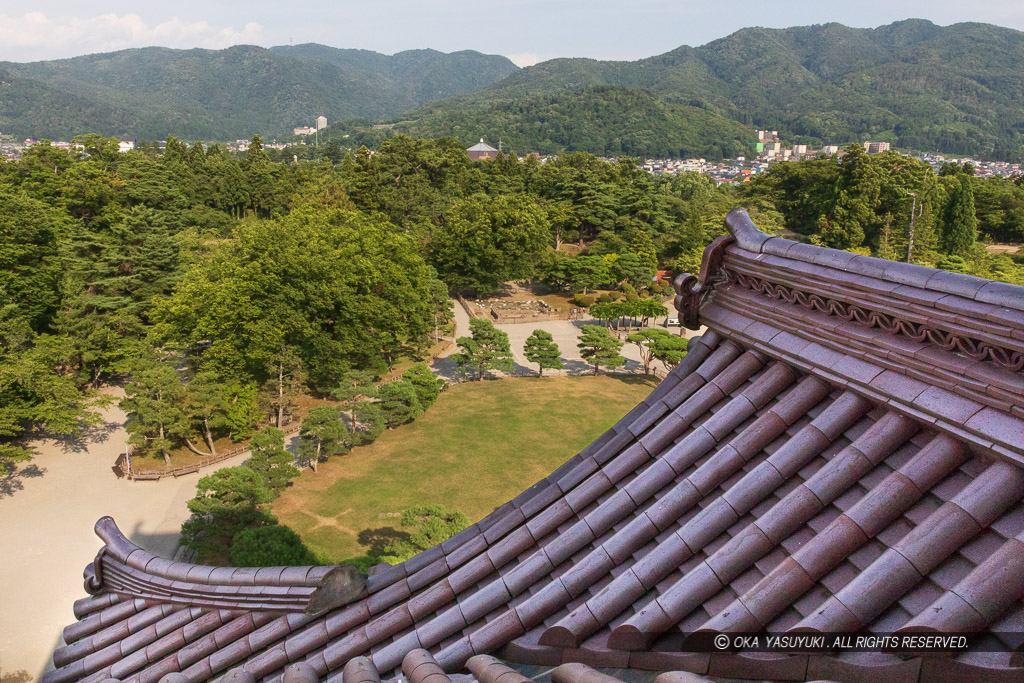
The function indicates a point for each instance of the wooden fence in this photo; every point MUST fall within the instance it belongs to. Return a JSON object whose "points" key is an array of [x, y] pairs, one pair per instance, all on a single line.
{"points": [[122, 462]]}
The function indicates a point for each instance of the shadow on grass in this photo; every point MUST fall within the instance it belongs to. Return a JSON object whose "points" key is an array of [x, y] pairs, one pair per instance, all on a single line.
{"points": [[633, 378], [377, 541]]}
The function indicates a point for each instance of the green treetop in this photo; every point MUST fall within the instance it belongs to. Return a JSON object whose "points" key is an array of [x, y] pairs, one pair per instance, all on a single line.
{"points": [[322, 435], [540, 348], [154, 401], [487, 348], [400, 402], [657, 343], [643, 247], [227, 501], [431, 524], [961, 225], [270, 459], [427, 386], [355, 387], [599, 348], [588, 272]]}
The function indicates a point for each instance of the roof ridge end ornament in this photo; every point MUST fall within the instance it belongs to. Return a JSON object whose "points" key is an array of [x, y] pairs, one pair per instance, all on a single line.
{"points": [[691, 289]]}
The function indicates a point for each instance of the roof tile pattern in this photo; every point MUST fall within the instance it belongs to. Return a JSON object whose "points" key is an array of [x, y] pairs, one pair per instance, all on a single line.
{"points": [[804, 468]]}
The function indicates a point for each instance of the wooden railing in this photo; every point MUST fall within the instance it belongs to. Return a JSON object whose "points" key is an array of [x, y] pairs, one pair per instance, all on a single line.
{"points": [[137, 474]]}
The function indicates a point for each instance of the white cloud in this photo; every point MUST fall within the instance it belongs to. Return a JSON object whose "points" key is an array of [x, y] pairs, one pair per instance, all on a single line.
{"points": [[524, 58], [37, 36]]}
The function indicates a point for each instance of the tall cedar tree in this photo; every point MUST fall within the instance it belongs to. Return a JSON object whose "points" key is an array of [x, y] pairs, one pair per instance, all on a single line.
{"points": [[599, 348], [961, 220], [540, 348]]}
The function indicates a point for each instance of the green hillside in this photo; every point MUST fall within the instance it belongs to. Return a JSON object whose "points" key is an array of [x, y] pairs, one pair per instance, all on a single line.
{"points": [[602, 120], [957, 89], [150, 93]]}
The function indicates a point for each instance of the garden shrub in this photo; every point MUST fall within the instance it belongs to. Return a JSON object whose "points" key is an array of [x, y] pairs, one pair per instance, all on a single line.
{"points": [[269, 546]]}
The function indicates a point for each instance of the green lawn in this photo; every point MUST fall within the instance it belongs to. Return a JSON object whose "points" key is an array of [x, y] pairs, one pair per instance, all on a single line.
{"points": [[480, 445]]}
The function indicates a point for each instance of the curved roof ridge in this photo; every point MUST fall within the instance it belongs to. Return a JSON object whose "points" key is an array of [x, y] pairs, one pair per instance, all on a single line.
{"points": [[748, 236], [118, 547]]}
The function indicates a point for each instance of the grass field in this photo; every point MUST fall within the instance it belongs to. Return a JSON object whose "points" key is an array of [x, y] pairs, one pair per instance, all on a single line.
{"points": [[480, 445]]}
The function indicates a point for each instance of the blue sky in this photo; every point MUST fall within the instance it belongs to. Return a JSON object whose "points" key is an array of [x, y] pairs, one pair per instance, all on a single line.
{"points": [[525, 30]]}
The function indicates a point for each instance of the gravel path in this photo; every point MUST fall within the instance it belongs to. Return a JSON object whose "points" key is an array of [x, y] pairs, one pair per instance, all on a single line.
{"points": [[566, 334]]}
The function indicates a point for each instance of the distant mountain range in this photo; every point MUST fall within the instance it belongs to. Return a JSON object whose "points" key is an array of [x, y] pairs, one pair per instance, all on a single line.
{"points": [[957, 89], [151, 93]]}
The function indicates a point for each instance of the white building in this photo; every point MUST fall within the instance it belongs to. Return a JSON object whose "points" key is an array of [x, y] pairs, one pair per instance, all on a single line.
{"points": [[321, 122]]}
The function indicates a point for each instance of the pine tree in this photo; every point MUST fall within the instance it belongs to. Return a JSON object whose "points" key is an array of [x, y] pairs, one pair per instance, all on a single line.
{"points": [[487, 348], [355, 387], [270, 459], [599, 348], [399, 402], [657, 343], [427, 386], [206, 405], [154, 402], [540, 348], [322, 435]]}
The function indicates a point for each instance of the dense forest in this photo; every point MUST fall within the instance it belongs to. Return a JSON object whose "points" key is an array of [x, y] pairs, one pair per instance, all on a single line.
{"points": [[218, 286]]}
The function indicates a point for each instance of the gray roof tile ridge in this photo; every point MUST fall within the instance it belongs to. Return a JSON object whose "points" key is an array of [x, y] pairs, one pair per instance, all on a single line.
{"points": [[751, 238]]}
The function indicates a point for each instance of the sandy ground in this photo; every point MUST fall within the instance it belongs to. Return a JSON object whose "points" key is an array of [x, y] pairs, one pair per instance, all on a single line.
{"points": [[565, 333], [48, 509]]}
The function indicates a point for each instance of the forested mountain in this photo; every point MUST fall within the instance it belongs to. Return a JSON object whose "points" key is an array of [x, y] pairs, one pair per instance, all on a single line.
{"points": [[957, 89], [151, 93]]}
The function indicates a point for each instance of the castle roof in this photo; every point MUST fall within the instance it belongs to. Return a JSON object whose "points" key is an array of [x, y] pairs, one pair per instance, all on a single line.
{"points": [[841, 451]]}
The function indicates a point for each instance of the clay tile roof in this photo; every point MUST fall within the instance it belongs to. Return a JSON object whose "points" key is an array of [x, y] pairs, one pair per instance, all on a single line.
{"points": [[841, 451]]}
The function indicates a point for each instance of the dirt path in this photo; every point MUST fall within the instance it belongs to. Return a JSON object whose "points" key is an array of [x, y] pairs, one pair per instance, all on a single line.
{"points": [[48, 508]]}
